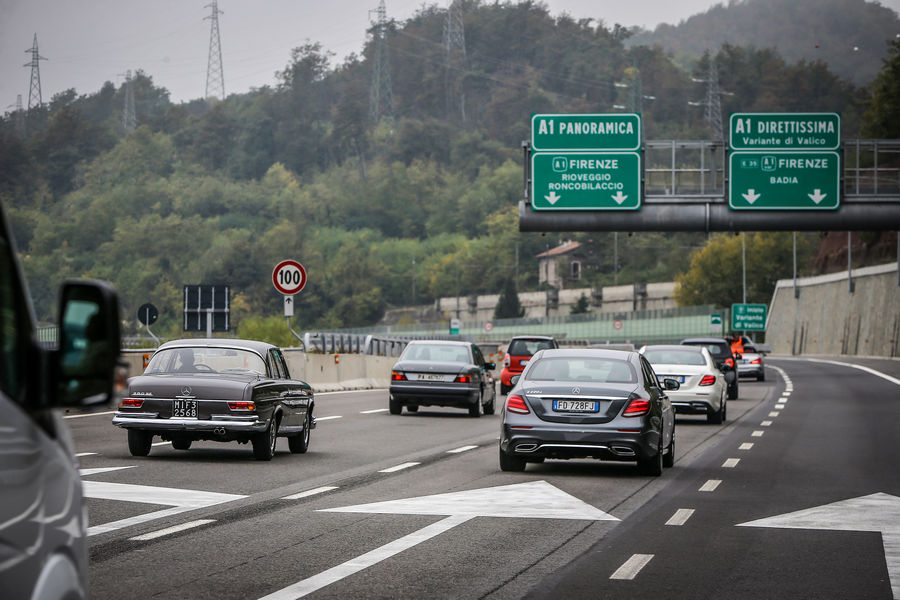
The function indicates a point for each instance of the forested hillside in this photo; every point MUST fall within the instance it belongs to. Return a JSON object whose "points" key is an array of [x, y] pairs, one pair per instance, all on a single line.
{"points": [[850, 36], [390, 211]]}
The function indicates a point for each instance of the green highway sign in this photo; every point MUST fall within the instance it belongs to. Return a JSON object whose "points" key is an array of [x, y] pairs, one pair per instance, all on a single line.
{"points": [[749, 317], [785, 131], [784, 180], [715, 322], [598, 132], [585, 181]]}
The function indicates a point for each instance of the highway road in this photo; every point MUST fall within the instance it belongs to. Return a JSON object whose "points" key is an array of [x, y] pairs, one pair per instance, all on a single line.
{"points": [[797, 495]]}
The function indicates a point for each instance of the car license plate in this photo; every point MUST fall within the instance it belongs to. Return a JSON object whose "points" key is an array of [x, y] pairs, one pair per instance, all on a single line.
{"points": [[185, 409], [430, 377], [678, 378], [575, 406]]}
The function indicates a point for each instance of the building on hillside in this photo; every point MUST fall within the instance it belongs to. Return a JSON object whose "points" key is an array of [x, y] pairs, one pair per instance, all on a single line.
{"points": [[559, 265]]}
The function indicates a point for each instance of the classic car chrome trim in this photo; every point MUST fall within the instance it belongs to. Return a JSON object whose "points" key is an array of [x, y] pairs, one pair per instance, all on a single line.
{"points": [[189, 424], [137, 415]]}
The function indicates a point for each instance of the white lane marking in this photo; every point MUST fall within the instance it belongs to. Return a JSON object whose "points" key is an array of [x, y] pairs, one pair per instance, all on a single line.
{"points": [[774, 414], [179, 500], [631, 567], [765, 424], [878, 512], [170, 530], [680, 517], [731, 463], [779, 407], [462, 449], [399, 467], [160, 443], [86, 472], [320, 419], [528, 500], [80, 454], [757, 433], [355, 565], [884, 376], [96, 414], [372, 412], [313, 492], [746, 446], [710, 486]]}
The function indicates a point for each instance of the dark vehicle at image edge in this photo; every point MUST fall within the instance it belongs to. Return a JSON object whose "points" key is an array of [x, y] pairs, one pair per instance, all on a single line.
{"points": [[222, 390], [43, 522], [585, 403], [726, 360], [442, 373]]}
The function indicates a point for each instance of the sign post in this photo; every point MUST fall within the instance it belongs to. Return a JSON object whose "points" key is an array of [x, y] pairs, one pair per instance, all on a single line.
{"points": [[289, 278], [585, 162], [784, 161]]}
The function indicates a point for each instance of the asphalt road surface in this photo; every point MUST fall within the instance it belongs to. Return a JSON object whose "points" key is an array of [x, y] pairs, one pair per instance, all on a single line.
{"points": [[797, 495]]}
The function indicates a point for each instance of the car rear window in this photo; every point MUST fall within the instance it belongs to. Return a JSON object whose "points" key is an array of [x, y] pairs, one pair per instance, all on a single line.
{"points": [[582, 369], [436, 352], [211, 360], [524, 347], [715, 349], [674, 357]]}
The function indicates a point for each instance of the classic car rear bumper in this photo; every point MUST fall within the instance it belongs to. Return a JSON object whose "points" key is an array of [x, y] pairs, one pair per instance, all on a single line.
{"points": [[150, 421]]}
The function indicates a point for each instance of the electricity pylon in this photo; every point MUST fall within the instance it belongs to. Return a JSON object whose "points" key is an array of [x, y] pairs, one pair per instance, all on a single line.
{"points": [[381, 96], [34, 92], [215, 77], [129, 119], [713, 102], [455, 61]]}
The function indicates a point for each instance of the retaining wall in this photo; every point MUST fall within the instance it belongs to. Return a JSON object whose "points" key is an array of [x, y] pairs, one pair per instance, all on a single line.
{"points": [[827, 318]]}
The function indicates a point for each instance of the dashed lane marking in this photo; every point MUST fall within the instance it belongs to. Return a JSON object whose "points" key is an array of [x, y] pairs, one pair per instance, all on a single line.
{"points": [[462, 449], [80, 454], [632, 566], [757, 433], [765, 424], [731, 463], [746, 446], [372, 412], [774, 414], [96, 414], [680, 517], [710, 486], [170, 530], [320, 419], [313, 492], [399, 467]]}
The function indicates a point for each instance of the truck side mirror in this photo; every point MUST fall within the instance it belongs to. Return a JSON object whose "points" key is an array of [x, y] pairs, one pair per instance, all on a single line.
{"points": [[89, 343]]}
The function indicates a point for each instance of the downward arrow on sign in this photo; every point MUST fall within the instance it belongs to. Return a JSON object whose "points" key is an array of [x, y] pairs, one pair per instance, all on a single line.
{"points": [[750, 196], [817, 196], [619, 197], [552, 198]]}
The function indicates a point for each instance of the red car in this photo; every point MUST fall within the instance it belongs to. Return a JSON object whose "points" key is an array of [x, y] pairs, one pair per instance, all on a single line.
{"points": [[520, 349]]}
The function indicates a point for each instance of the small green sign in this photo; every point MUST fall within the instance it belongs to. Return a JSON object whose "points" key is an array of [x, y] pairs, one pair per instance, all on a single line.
{"points": [[715, 322], [749, 317], [784, 180], [616, 131], [586, 181], [785, 131]]}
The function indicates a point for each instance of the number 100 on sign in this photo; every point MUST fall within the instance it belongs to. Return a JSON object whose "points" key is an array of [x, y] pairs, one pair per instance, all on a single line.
{"points": [[289, 277]]}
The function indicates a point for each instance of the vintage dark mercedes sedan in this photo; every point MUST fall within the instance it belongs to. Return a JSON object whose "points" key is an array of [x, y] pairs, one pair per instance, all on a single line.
{"points": [[217, 389], [585, 403]]}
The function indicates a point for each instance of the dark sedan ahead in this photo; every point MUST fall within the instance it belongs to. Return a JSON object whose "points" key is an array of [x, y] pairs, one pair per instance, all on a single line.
{"points": [[581, 403], [222, 390], [442, 373]]}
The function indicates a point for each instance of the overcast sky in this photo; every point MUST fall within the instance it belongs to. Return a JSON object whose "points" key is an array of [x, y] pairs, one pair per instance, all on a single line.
{"points": [[88, 42]]}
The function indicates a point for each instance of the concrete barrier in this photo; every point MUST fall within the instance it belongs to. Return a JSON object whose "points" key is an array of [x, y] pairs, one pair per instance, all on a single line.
{"points": [[827, 318]]}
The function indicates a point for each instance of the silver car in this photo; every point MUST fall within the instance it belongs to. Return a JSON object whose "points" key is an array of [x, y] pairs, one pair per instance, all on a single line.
{"points": [[703, 387], [582, 403], [751, 363]]}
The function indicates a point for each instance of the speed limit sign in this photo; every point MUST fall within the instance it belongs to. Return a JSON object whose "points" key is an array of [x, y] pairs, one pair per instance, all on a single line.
{"points": [[289, 277]]}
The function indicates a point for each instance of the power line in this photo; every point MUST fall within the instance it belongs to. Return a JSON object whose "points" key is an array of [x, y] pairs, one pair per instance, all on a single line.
{"points": [[381, 96], [34, 92], [215, 76], [713, 100]]}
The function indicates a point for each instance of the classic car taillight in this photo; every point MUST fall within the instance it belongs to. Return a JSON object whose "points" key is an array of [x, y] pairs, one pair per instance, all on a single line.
{"points": [[637, 407], [708, 380], [463, 379], [242, 405], [516, 404], [398, 376], [131, 403]]}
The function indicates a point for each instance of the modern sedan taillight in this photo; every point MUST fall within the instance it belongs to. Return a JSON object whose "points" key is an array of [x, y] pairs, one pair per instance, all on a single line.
{"points": [[463, 379], [398, 376], [516, 404], [637, 408], [708, 380]]}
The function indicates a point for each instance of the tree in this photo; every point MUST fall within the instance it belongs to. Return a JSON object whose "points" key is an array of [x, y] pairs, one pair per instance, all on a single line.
{"points": [[882, 119], [508, 306], [582, 306]]}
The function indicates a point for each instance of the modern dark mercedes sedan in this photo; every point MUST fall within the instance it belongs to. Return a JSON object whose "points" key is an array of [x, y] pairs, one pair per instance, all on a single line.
{"points": [[223, 390], [585, 403]]}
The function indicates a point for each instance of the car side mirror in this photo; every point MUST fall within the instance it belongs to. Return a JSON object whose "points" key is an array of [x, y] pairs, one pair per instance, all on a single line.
{"points": [[514, 379], [89, 343], [670, 385]]}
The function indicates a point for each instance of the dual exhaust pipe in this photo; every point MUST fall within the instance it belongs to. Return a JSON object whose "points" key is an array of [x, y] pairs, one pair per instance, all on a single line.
{"points": [[220, 431]]}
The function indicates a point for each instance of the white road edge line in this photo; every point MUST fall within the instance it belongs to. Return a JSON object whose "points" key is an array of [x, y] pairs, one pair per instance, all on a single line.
{"points": [[313, 492], [710, 486], [355, 565], [96, 414], [170, 530], [731, 463], [372, 412], [462, 449], [399, 467], [680, 517], [871, 371], [631, 567]]}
